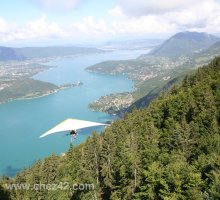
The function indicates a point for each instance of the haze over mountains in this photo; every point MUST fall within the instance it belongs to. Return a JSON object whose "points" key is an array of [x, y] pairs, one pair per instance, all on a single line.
{"points": [[212, 50], [185, 43], [7, 54], [18, 54], [131, 44], [180, 44]]}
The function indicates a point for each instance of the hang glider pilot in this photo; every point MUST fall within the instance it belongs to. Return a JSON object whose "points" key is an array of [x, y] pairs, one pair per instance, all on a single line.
{"points": [[71, 125], [73, 134]]}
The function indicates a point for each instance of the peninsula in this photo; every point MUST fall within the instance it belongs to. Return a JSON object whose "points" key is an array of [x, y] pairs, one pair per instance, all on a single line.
{"points": [[156, 71], [19, 65]]}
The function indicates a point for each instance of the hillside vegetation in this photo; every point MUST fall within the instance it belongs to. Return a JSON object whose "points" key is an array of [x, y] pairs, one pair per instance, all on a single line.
{"points": [[164, 65], [170, 150], [27, 88]]}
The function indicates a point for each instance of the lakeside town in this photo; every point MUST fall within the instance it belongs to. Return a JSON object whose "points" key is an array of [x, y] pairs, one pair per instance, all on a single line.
{"points": [[16, 80], [18, 70], [157, 70]]}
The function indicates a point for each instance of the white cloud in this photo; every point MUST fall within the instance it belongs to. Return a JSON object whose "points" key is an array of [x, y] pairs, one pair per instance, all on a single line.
{"points": [[37, 29], [201, 17], [96, 28], [146, 7], [144, 25], [89, 27], [116, 12], [169, 17], [57, 5], [43, 28], [5, 26]]}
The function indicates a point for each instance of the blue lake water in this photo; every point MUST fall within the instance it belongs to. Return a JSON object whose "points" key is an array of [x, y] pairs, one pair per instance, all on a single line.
{"points": [[23, 121]]}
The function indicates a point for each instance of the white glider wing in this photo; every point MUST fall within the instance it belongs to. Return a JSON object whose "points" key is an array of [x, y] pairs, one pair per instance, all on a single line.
{"points": [[71, 124]]}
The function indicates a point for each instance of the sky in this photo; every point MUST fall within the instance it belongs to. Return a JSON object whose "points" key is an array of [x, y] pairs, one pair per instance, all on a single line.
{"points": [[46, 22]]}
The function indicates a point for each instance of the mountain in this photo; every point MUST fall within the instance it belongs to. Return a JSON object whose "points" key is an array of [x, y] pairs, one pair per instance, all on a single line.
{"points": [[16, 54], [45, 52], [131, 44], [213, 50], [185, 43], [169, 150], [7, 54], [206, 55], [145, 101]]}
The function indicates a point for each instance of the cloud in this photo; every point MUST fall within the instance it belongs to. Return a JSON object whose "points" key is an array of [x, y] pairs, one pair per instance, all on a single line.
{"points": [[57, 5], [169, 17], [146, 7], [43, 28], [203, 17], [90, 27], [37, 29], [4, 26], [116, 12], [99, 28]]}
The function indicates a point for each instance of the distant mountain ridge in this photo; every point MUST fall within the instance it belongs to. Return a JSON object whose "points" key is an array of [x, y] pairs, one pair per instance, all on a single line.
{"points": [[185, 43], [7, 53], [17, 54], [213, 50]]}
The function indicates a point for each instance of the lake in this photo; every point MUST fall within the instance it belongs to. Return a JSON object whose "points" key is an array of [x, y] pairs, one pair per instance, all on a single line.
{"points": [[23, 121]]}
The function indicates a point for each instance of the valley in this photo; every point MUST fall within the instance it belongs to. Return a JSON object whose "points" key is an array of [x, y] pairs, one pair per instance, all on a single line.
{"points": [[152, 72], [19, 65]]}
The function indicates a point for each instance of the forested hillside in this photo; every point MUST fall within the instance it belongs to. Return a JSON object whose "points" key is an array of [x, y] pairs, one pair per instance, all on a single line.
{"points": [[28, 88], [170, 150]]}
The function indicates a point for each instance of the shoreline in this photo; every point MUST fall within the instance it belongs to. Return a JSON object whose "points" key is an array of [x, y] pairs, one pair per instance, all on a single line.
{"points": [[62, 87], [28, 98], [102, 116]]}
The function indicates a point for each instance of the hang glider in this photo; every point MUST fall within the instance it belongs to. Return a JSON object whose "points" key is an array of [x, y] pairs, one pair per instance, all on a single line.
{"points": [[71, 124]]}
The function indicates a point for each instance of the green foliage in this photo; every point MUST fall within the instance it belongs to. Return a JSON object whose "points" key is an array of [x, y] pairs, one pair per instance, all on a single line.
{"points": [[170, 150], [26, 88]]}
